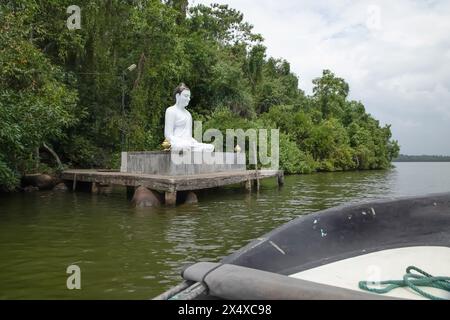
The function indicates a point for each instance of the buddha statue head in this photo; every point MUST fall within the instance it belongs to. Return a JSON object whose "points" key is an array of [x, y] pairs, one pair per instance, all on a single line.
{"points": [[182, 95]]}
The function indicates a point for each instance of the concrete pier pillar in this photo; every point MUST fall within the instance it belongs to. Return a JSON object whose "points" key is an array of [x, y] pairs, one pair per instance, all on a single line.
{"points": [[248, 185], [171, 198], [95, 187]]}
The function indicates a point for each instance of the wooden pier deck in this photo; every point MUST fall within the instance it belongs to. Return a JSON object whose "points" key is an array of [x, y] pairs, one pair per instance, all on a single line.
{"points": [[170, 184]]}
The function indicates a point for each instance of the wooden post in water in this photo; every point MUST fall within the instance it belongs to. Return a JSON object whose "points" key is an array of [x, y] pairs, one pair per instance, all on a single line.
{"points": [[74, 185], [280, 178], [256, 167]]}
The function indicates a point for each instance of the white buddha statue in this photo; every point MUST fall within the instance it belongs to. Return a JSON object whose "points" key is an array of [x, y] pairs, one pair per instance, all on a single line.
{"points": [[178, 124]]}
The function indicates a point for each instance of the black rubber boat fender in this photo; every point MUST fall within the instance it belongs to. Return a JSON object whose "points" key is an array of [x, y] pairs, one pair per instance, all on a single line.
{"points": [[226, 281]]}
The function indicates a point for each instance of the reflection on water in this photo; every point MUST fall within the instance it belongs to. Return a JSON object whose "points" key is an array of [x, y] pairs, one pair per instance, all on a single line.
{"points": [[127, 253]]}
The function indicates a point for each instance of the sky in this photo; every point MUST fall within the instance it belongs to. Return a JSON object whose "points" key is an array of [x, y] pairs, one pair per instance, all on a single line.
{"points": [[395, 55]]}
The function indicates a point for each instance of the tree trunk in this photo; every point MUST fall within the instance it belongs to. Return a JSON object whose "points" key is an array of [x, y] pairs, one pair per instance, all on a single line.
{"points": [[53, 153]]}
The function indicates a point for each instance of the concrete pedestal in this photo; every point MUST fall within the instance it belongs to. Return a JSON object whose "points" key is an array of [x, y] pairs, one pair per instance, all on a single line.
{"points": [[181, 164]]}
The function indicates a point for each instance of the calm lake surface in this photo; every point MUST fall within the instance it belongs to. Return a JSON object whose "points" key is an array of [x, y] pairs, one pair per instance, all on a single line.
{"points": [[127, 253]]}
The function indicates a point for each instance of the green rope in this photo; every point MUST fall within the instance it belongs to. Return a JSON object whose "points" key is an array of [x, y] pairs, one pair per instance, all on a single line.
{"points": [[412, 281]]}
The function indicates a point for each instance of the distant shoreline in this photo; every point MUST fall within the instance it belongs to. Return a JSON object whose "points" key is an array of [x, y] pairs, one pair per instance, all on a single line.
{"points": [[421, 158]]}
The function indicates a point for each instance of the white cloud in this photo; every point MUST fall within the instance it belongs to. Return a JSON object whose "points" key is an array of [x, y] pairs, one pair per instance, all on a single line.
{"points": [[397, 62]]}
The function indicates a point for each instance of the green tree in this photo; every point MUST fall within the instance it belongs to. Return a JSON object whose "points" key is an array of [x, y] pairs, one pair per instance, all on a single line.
{"points": [[330, 93], [36, 103]]}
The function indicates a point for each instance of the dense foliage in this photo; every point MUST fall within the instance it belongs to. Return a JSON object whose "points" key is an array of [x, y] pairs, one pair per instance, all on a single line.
{"points": [[71, 90]]}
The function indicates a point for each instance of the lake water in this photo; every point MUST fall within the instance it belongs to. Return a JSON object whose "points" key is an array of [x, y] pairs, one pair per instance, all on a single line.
{"points": [[127, 253]]}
